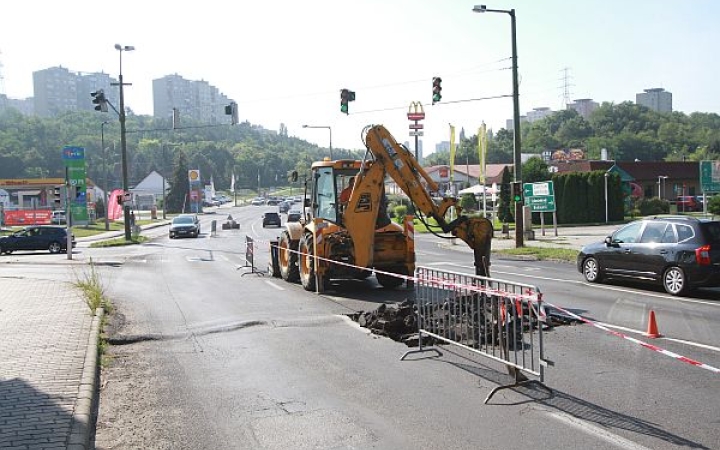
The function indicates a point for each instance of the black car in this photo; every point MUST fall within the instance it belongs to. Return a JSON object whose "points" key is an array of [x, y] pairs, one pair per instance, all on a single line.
{"points": [[681, 253], [271, 218], [185, 225], [39, 237], [294, 216]]}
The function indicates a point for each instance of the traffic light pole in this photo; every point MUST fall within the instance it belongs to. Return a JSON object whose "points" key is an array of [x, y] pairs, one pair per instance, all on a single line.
{"points": [[517, 160]]}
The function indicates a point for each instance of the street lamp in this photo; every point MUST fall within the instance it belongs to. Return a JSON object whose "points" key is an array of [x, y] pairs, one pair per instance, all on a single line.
{"points": [[661, 192], [105, 174], [328, 128], [517, 162], [123, 142]]}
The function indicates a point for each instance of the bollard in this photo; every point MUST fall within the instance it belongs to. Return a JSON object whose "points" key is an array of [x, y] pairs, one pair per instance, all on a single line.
{"points": [[213, 227]]}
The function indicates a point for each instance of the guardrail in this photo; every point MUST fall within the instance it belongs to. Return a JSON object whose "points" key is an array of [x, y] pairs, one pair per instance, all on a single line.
{"points": [[497, 319]]}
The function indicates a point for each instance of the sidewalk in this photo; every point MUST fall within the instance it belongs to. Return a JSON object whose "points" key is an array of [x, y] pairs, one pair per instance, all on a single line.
{"points": [[48, 361]]}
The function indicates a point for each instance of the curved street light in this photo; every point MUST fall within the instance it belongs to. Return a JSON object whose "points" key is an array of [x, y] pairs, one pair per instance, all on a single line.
{"points": [[517, 160], [326, 127], [123, 141]]}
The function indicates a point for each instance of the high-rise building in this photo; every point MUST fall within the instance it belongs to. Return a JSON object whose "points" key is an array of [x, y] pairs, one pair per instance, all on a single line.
{"points": [[584, 107], [197, 100], [538, 114], [57, 90], [657, 99]]}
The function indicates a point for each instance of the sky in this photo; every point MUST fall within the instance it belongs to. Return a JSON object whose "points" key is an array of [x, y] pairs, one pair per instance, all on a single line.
{"points": [[284, 61]]}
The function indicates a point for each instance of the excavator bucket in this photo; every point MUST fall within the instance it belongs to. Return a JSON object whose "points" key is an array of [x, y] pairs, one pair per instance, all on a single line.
{"points": [[477, 233]]}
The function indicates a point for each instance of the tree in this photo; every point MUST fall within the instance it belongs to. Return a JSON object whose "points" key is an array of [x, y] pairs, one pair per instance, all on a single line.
{"points": [[179, 186], [534, 170], [503, 210]]}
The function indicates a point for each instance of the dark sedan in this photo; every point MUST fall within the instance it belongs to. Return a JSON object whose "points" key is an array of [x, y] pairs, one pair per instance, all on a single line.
{"points": [[40, 237], [681, 253], [185, 225]]}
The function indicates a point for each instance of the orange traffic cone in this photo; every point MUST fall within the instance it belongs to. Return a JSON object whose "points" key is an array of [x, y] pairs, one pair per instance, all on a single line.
{"points": [[652, 329]]}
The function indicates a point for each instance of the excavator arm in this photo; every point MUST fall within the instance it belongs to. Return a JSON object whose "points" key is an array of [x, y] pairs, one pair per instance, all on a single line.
{"points": [[403, 168]]}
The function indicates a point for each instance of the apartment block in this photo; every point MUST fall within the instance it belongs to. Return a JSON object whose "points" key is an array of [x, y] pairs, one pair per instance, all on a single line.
{"points": [[197, 100]]}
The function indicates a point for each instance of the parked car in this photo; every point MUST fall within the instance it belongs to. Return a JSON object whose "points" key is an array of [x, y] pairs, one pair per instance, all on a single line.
{"points": [[271, 218], [688, 203], [58, 217], [38, 237], [185, 225], [294, 216], [258, 201], [680, 253]]}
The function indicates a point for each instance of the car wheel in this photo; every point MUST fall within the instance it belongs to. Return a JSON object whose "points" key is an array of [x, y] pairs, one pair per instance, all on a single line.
{"points": [[54, 247], [674, 281], [591, 270]]}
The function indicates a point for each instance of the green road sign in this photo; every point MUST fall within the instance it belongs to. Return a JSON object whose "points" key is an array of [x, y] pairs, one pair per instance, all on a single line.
{"points": [[541, 203], [540, 197], [710, 176]]}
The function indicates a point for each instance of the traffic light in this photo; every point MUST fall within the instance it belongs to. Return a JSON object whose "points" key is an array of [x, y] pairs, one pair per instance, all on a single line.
{"points": [[57, 197], [346, 96], [437, 90], [99, 100], [517, 193], [232, 111]]}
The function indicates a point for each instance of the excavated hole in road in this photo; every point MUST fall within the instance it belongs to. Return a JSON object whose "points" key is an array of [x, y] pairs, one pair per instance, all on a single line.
{"points": [[399, 321]]}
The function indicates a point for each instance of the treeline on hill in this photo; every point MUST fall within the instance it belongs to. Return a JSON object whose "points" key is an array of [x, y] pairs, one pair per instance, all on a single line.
{"points": [[628, 131], [30, 147]]}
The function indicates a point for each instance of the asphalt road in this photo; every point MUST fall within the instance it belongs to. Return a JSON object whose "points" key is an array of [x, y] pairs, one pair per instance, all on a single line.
{"points": [[206, 357]]}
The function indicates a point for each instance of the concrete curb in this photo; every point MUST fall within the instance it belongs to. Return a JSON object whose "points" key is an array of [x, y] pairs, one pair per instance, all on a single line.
{"points": [[79, 438]]}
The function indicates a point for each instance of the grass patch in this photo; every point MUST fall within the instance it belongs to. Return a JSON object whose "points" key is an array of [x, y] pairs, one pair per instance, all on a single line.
{"points": [[93, 289], [542, 253], [119, 242]]}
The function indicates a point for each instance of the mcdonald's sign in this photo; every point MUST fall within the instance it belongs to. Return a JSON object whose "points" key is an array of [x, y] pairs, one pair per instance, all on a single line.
{"points": [[415, 111]]}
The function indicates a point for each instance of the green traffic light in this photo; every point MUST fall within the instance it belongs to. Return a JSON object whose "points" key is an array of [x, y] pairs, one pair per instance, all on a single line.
{"points": [[437, 98], [344, 108]]}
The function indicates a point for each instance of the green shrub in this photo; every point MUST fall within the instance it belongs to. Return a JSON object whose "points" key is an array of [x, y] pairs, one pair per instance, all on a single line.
{"points": [[652, 206]]}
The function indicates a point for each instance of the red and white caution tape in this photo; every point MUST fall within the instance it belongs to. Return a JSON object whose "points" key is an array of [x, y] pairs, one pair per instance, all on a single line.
{"points": [[531, 297]]}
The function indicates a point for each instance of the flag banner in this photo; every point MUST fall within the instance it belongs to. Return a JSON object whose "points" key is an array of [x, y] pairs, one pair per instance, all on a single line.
{"points": [[482, 150], [232, 183]]}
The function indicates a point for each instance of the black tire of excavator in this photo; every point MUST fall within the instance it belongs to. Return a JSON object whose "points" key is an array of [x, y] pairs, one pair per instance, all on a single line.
{"points": [[306, 263], [389, 281], [289, 270]]}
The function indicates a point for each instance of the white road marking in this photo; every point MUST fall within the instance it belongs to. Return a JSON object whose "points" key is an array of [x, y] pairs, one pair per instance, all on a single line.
{"points": [[679, 341], [594, 430], [275, 285]]}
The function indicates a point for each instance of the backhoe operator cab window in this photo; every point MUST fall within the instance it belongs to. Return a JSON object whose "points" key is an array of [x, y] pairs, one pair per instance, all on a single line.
{"points": [[329, 184], [325, 205]]}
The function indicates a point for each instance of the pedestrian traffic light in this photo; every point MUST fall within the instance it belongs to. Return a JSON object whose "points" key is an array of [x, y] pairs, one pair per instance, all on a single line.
{"points": [[232, 111], [437, 89], [517, 193], [346, 96], [99, 100]]}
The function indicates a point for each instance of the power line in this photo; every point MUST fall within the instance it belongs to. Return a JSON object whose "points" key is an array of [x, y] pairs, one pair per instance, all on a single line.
{"points": [[395, 108]]}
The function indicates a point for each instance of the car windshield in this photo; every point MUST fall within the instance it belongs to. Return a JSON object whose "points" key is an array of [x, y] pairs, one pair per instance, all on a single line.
{"points": [[183, 220]]}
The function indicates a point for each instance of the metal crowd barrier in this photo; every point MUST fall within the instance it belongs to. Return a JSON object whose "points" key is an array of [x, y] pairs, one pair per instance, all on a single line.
{"points": [[497, 319]]}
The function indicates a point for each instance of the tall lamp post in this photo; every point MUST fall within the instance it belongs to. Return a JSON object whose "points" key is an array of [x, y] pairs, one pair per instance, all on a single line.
{"points": [[326, 127], [517, 162], [123, 141], [105, 174]]}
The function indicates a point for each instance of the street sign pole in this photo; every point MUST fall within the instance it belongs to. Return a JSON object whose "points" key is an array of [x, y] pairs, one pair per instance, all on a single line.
{"points": [[416, 114]]}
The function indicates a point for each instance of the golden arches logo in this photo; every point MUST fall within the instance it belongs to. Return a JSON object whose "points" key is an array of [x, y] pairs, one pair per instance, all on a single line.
{"points": [[415, 111]]}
